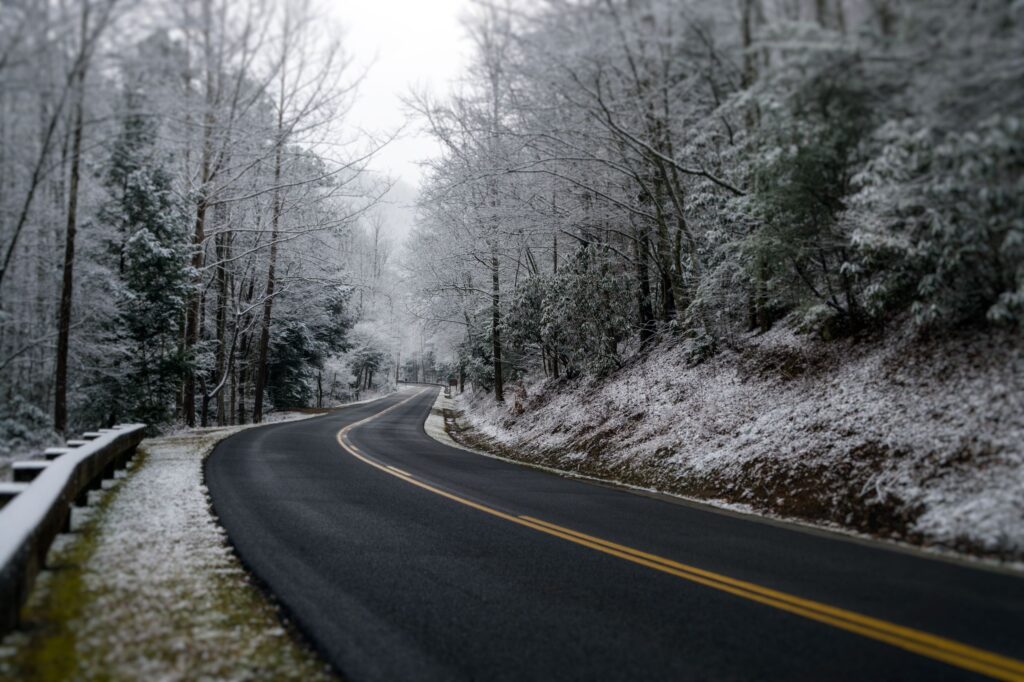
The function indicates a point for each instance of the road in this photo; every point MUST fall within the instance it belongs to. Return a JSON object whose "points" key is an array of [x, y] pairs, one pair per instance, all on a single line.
{"points": [[405, 559]]}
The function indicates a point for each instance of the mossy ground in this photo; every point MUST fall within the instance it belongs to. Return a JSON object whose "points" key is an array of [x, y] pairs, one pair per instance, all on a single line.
{"points": [[44, 648]]}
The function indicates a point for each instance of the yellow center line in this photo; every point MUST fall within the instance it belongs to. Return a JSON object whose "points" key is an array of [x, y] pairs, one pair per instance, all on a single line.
{"points": [[925, 644]]}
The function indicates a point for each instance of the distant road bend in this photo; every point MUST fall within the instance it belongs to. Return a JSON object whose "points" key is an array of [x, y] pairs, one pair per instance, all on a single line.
{"points": [[404, 559]]}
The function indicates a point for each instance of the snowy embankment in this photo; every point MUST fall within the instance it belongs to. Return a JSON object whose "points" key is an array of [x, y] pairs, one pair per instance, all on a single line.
{"points": [[153, 590], [921, 441]]}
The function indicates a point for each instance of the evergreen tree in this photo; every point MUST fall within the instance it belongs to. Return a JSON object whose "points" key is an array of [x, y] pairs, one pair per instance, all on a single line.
{"points": [[301, 347], [153, 278]]}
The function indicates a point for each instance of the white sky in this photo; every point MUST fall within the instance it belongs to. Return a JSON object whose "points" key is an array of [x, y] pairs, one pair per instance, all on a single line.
{"points": [[412, 43]]}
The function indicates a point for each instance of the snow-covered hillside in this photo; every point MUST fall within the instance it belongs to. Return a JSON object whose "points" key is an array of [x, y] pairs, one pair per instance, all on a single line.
{"points": [[921, 440]]}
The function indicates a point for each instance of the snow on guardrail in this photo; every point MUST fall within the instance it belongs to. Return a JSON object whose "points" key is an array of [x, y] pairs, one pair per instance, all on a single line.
{"points": [[38, 506]]}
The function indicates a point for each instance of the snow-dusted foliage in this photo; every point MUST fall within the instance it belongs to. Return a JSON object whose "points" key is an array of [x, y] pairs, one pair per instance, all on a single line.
{"points": [[578, 315], [837, 164], [24, 426], [940, 217], [185, 233]]}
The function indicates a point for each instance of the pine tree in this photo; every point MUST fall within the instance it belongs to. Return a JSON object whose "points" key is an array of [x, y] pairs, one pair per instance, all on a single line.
{"points": [[152, 269]]}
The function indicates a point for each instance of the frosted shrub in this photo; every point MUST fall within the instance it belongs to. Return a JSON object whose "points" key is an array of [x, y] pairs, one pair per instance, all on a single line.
{"points": [[800, 249], [581, 314], [941, 221], [23, 425], [476, 351]]}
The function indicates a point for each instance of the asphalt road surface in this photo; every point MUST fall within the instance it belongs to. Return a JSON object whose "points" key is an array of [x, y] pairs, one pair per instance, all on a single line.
{"points": [[404, 559]]}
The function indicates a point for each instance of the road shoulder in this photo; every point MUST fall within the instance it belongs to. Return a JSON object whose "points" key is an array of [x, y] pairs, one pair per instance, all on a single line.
{"points": [[147, 586], [447, 418]]}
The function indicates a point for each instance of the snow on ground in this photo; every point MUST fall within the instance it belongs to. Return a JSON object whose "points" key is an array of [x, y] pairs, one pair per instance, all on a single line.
{"points": [[435, 425], [909, 439], [162, 595]]}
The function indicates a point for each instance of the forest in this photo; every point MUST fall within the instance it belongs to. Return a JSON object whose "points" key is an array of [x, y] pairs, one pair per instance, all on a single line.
{"points": [[619, 175], [190, 233]]}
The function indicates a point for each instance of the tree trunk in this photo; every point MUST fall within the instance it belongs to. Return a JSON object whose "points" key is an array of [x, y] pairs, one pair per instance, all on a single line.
{"points": [[645, 312], [264, 343], [679, 291], [244, 354], [268, 304], [554, 271], [192, 323], [499, 384], [554, 252], [233, 388], [664, 255], [222, 306], [204, 411], [820, 13], [760, 318], [43, 157], [243, 377], [886, 16], [752, 16], [60, 401], [179, 395]]}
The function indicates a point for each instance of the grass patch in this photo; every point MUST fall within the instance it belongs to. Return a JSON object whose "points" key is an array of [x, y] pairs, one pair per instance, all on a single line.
{"points": [[44, 646]]}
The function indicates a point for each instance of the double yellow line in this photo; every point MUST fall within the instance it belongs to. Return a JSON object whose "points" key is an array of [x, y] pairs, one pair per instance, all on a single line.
{"points": [[931, 646]]}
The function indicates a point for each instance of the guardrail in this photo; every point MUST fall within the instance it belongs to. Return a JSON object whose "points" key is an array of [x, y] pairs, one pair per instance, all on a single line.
{"points": [[37, 506]]}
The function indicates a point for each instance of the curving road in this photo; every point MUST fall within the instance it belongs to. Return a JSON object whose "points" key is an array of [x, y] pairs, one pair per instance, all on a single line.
{"points": [[404, 559]]}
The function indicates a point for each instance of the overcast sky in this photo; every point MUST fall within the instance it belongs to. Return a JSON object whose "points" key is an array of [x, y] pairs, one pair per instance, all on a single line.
{"points": [[415, 43]]}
